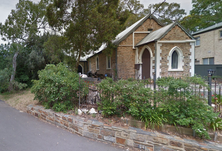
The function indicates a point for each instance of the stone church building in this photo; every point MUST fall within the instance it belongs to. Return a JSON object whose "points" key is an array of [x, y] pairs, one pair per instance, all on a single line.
{"points": [[144, 49]]}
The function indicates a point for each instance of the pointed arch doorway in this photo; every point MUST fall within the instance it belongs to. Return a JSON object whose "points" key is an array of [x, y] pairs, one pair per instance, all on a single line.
{"points": [[146, 64]]}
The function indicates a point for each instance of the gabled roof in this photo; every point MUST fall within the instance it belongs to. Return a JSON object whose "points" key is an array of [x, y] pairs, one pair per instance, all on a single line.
{"points": [[213, 27], [160, 33], [103, 46], [124, 34]]}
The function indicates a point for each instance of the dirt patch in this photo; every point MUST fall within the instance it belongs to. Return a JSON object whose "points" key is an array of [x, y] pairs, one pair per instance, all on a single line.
{"points": [[19, 100]]}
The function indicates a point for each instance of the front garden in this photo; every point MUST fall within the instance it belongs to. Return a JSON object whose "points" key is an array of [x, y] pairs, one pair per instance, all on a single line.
{"points": [[174, 102]]}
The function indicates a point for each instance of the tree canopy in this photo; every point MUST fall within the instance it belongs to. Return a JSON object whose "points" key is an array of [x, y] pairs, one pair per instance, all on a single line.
{"points": [[22, 25], [167, 12], [204, 14], [133, 11], [86, 24]]}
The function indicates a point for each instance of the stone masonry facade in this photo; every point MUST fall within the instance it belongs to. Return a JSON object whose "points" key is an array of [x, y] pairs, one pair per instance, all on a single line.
{"points": [[126, 60], [165, 62], [125, 53], [131, 137]]}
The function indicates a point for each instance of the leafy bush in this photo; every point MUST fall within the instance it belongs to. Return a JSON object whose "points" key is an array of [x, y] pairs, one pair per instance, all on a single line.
{"points": [[58, 87], [131, 97], [4, 79], [189, 113], [216, 124], [189, 109], [18, 85], [174, 102]]}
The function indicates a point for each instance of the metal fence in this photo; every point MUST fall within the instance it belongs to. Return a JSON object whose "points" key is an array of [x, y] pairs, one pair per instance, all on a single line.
{"points": [[202, 70], [211, 92]]}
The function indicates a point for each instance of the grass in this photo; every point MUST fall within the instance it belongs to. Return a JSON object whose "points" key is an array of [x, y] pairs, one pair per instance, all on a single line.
{"points": [[19, 99]]}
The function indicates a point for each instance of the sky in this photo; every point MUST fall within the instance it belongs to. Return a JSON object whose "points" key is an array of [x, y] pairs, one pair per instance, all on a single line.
{"points": [[7, 5], [184, 4]]}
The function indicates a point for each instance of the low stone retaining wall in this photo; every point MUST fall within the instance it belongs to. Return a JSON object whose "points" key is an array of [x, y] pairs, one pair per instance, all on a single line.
{"points": [[132, 137], [172, 129]]}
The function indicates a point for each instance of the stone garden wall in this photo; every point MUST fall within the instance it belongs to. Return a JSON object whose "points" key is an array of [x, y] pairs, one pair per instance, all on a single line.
{"points": [[132, 137]]}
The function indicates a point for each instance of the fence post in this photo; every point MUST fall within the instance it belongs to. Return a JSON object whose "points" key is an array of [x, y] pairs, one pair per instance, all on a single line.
{"points": [[79, 91], [154, 81], [210, 87]]}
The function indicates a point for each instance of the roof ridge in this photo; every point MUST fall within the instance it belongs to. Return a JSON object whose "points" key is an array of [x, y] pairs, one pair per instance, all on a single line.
{"points": [[122, 35], [212, 27], [161, 32]]}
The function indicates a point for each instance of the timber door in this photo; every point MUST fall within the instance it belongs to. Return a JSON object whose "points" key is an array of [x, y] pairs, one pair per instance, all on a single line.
{"points": [[146, 64]]}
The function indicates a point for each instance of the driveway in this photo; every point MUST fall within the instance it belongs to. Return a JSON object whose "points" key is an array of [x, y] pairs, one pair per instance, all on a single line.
{"points": [[20, 131]]}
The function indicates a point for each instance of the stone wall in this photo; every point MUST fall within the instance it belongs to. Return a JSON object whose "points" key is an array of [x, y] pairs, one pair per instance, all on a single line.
{"points": [[176, 33], [126, 53], [132, 137], [185, 47]]}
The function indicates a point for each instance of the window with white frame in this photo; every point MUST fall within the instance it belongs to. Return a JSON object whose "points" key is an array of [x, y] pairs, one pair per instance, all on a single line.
{"points": [[208, 60], [108, 62], [197, 41], [175, 59], [97, 63]]}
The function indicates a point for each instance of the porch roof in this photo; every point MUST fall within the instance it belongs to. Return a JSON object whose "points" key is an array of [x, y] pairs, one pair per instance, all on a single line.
{"points": [[160, 33], [155, 35], [124, 34]]}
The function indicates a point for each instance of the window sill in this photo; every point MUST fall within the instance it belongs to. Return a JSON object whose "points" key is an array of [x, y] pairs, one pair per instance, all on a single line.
{"points": [[108, 68], [175, 69]]}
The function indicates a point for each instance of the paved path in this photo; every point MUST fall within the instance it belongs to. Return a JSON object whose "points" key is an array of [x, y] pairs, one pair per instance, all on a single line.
{"points": [[22, 132]]}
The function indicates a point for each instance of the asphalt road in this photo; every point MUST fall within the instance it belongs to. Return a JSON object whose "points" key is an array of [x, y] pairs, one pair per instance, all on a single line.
{"points": [[20, 131]]}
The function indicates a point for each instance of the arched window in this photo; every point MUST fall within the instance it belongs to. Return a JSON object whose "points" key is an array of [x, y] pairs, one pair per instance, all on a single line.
{"points": [[174, 61], [97, 63]]}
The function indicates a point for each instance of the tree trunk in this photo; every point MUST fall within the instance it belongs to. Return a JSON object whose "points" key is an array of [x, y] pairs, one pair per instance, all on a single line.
{"points": [[78, 59], [14, 64]]}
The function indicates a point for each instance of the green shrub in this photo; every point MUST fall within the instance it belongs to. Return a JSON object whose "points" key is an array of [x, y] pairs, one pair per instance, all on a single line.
{"points": [[174, 102], [189, 113], [18, 85], [4, 79], [58, 87], [216, 124], [183, 107]]}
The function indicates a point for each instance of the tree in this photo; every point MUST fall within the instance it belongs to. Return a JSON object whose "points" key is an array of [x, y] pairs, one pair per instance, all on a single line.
{"points": [[32, 59], [133, 11], [167, 12], [54, 48], [5, 67], [22, 24], [204, 14], [86, 24], [5, 56]]}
